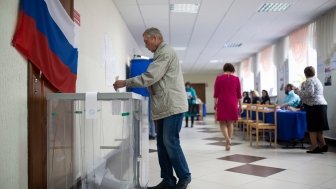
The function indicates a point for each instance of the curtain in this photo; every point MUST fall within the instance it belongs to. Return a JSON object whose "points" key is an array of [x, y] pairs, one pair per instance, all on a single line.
{"points": [[298, 44], [302, 53], [326, 35], [247, 78], [267, 69], [266, 59]]}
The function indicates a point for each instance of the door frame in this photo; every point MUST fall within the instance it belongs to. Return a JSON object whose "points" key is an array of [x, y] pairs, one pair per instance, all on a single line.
{"points": [[38, 87]]}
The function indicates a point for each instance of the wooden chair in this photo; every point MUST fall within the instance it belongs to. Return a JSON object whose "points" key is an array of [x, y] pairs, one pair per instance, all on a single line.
{"points": [[241, 119], [252, 118], [259, 125], [244, 121], [248, 119]]}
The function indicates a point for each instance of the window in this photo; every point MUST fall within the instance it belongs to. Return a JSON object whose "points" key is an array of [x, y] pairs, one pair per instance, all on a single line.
{"points": [[301, 53], [268, 75], [247, 75]]}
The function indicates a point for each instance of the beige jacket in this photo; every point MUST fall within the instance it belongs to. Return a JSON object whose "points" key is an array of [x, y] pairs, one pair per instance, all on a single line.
{"points": [[165, 82]]}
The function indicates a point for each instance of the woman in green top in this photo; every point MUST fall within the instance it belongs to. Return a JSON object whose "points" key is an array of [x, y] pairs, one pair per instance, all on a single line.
{"points": [[193, 109]]}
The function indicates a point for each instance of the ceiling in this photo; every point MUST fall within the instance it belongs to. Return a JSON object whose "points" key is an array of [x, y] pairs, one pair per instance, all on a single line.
{"points": [[217, 22]]}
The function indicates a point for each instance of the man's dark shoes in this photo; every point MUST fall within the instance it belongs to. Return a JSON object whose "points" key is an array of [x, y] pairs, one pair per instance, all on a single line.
{"points": [[162, 185], [324, 148], [183, 184], [315, 151], [152, 137]]}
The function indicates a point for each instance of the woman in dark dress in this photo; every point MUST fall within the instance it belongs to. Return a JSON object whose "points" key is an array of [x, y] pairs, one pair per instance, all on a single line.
{"points": [[255, 97], [315, 105], [246, 98], [265, 99]]}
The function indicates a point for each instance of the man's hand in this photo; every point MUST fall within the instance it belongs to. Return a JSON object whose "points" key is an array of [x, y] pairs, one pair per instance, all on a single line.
{"points": [[284, 106], [296, 90], [119, 84]]}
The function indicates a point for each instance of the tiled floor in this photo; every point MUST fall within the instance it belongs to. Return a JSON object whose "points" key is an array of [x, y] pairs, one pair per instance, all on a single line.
{"points": [[245, 167]]}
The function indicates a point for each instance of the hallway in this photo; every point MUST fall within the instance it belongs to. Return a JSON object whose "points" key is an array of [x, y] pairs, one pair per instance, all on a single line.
{"points": [[246, 167]]}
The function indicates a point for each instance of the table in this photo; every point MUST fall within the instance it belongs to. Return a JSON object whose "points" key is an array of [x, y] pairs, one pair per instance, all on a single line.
{"points": [[291, 125]]}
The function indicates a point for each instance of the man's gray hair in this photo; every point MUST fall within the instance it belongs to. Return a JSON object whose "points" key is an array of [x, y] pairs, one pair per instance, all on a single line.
{"points": [[153, 32]]}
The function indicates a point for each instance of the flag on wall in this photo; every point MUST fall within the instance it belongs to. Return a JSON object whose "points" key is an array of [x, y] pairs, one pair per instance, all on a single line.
{"points": [[45, 35]]}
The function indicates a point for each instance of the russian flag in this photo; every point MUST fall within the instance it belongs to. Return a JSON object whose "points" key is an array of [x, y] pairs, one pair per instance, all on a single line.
{"points": [[45, 35]]}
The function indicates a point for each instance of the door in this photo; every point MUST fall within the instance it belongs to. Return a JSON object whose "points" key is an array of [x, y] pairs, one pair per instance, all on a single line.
{"points": [[38, 87], [200, 90]]}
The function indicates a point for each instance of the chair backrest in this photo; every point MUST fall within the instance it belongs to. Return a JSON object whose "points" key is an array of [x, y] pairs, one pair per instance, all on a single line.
{"points": [[266, 109], [254, 113], [247, 109]]}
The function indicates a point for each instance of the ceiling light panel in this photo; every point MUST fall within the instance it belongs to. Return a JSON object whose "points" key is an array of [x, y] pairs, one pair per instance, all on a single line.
{"points": [[215, 61], [232, 45], [184, 8], [274, 7]]}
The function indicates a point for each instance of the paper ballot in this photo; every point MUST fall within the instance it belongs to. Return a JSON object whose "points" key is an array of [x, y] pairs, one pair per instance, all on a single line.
{"points": [[91, 104], [116, 79]]}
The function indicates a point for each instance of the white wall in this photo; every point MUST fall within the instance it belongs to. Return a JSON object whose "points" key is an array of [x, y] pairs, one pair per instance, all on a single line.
{"points": [[326, 49], [280, 56], [13, 104], [102, 26], [330, 96], [97, 21], [209, 79]]}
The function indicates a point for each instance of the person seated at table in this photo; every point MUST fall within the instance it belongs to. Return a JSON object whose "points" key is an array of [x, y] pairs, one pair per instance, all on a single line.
{"points": [[299, 107], [246, 98], [255, 97], [291, 99], [265, 99]]}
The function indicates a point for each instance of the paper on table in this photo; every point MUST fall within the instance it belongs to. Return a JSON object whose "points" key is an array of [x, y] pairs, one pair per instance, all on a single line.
{"points": [[91, 104]]}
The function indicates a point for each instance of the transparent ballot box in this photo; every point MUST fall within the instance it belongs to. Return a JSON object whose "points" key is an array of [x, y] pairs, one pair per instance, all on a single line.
{"points": [[97, 140]]}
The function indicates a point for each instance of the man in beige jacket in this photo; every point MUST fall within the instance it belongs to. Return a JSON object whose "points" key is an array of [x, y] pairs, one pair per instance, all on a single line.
{"points": [[168, 102]]}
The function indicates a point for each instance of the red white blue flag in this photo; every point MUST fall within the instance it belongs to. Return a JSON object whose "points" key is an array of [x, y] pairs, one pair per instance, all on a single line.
{"points": [[45, 35]]}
